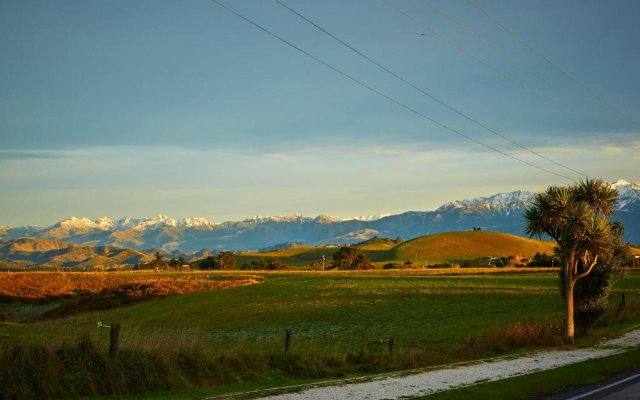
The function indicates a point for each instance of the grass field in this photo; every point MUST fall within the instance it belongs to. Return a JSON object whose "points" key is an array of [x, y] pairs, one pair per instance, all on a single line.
{"points": [[337, 317], [451, 247], [338, 310]]}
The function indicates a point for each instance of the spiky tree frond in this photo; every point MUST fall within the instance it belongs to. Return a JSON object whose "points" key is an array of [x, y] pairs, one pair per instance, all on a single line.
{"points": [[597, 238], [599, 194]]}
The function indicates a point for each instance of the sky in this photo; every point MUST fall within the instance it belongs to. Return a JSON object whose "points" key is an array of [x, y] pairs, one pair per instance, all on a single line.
{"points": [[182, 108]]}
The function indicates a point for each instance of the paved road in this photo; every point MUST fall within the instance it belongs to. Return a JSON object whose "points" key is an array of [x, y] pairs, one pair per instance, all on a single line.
{"points": [[624, 386]]}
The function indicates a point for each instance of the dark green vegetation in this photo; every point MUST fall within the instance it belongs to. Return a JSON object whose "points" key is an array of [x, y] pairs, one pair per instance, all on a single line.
{"points": [[223, 260], [546, 382], [340, 323], [350, 258]]}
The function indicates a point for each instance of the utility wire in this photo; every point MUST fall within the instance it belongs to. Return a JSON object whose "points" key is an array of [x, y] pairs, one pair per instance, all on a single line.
{"points": [[548, 61], [421, 24], [518, 63], [423, 91], [381, 94]]}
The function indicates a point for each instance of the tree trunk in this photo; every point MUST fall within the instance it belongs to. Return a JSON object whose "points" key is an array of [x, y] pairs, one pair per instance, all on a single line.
{"points": [[569, 323], [569, 284]]}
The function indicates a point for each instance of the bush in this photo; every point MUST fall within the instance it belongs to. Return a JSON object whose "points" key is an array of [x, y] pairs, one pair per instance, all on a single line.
{"points": [[224, 260], [351, 258], [543, 260], [270, 264]]}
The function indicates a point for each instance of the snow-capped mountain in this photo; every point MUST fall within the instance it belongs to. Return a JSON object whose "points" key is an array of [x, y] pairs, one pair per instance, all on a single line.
{"points": [[159, 221], [278, 218], [196, 223], [628, 194], [500, 212], [373, 217], [501, 202]]}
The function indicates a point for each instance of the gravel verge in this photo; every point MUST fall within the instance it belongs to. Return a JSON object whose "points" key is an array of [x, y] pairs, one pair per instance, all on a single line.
{"points": [[399, 386]]}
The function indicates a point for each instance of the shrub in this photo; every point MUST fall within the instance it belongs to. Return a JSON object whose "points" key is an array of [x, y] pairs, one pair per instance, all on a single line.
{"points": [[543, 260], [351, 258]]}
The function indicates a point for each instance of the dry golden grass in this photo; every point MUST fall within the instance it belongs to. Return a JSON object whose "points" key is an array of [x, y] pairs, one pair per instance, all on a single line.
{"points": [[41, 285]]}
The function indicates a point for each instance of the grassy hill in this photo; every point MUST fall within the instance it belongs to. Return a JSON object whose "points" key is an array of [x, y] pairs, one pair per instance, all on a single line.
{"points": [[431, 249], [454, 246], [53, 253], [378, 243]]}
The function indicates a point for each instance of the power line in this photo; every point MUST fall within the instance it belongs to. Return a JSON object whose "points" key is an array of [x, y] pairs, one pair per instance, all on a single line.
{"points": [[423, 91], [548, 61], [518, 63], [381, 94], [474, 57]]}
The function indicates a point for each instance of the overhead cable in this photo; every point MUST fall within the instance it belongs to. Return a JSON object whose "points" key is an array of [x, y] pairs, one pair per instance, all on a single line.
{"points": [[454, 45], [524, 43], [425, 92], [528, 69], [385, 96]]}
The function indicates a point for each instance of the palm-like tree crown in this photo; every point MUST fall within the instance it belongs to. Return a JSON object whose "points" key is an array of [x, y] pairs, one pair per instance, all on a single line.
{"points": [[575, 217]]}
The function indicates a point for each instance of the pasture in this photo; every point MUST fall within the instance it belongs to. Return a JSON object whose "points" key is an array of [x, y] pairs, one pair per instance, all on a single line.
{"points": [[339, 310], [340, 321]]}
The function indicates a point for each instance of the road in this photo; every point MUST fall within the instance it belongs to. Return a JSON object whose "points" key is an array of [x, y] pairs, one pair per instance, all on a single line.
{"points": [[624, 386]]}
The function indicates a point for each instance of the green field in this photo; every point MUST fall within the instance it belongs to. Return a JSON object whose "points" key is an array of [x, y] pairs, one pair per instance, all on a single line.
{"points": [[336, 310], [441, 248], [333, 316], [341, 310]]}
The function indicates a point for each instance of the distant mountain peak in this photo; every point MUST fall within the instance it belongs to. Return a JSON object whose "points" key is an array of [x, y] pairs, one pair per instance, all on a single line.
{"points": [[158, 221], [325, 219], [628, 193], [196, 222], [507, 201], [297, 217], [624, 182], [367, 218]]}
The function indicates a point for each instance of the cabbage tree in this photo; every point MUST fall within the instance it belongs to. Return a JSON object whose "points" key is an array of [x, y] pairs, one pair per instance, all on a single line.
{"points": [[576, 217]]}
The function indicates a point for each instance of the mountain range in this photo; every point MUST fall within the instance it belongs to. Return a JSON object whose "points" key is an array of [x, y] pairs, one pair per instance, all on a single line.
{"points": [[502, 212]]}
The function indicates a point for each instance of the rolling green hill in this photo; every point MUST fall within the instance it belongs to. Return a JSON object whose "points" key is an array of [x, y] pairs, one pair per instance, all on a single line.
{"points": [[378, 243], [469, 245], [430, 249]]}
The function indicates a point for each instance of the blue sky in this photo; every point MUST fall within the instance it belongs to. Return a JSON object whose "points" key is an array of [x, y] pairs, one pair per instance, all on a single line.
{"points": [[143, 107]]}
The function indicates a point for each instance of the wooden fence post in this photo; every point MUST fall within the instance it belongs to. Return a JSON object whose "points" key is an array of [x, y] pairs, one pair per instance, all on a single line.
{"points": [[390, 343], [287, 340], [114, 339]]}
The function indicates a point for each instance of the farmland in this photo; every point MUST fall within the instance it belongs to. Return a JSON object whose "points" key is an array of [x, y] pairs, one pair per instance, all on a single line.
{"points": [[342, 320]]}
